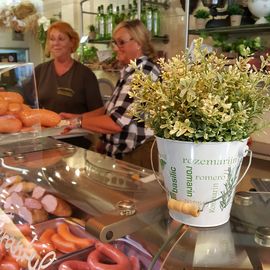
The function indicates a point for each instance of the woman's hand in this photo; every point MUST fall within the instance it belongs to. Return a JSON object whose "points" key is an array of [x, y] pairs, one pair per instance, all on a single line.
{"points": [[72, 121], [65, 115]]}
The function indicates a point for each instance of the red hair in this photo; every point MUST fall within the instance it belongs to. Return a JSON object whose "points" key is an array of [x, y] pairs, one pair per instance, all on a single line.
{"points": [[67, 29]]}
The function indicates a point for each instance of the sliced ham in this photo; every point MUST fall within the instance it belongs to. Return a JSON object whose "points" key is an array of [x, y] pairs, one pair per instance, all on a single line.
{"points": [[32, 203], [38, 192], [33, 216], [17, 199], [56, 206], [8, 203], [14, 201]]}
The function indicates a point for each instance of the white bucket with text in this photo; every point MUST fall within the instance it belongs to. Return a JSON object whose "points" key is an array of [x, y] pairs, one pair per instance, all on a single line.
{"points": [[200, 173]]}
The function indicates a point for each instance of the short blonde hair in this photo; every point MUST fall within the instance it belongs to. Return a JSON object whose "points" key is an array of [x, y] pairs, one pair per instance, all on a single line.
{"points": [[140, 34], [67, 29]]}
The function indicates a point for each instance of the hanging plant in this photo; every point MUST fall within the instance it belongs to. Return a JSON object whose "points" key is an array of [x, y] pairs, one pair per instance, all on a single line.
{"points": [[43, 26]]}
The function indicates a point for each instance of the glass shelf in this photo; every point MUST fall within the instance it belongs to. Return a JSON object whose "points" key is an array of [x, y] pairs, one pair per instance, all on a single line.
{"points": [[232, 29]]}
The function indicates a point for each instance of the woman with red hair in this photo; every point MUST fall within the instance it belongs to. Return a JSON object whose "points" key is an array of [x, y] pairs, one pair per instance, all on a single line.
{"points": [[64, 84]]}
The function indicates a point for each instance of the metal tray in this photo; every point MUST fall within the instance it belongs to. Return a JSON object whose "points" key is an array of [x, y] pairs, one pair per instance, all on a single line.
{"points": [[128, 247], [75, 229]]}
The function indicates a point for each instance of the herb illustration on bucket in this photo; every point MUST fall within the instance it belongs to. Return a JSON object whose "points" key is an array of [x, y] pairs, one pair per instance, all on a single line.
{"points": [[199, 173]]}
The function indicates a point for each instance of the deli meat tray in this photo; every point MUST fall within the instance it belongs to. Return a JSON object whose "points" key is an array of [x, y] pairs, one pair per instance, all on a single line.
{"points": [[133, 251], [24, 245], [84, 239], [56, 243]]}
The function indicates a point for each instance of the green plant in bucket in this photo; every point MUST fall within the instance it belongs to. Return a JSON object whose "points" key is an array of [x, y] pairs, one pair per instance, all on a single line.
{"points": [[204, 99]]}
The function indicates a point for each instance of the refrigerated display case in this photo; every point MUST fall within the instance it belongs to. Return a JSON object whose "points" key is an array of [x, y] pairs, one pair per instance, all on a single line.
{"points": [[113, 201], [62, 203]]}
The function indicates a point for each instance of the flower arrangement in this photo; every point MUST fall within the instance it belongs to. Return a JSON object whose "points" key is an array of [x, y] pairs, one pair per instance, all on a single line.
{"points": [[202, 99]]}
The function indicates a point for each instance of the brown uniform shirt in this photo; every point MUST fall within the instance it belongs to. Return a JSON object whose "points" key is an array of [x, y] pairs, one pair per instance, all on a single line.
{"points": [[76, 91]]}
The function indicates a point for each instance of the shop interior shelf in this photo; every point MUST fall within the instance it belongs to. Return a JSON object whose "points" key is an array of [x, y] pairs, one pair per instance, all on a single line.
{"points": [[164, 39], [233, 29]]}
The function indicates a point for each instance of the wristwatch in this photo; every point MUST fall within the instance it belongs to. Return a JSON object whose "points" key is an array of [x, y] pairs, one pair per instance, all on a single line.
{"points": [[76, 122]]}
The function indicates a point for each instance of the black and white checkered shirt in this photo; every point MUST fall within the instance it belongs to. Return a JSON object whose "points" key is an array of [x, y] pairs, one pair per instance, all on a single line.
{"points": [[133, 132]]}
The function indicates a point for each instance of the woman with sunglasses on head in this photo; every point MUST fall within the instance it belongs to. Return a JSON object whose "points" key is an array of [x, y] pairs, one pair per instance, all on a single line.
{"points": [[64, 84], [122, 136]]}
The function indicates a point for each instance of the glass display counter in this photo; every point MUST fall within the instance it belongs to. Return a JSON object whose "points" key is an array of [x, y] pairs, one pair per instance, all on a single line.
{"points": [[46, 183]]}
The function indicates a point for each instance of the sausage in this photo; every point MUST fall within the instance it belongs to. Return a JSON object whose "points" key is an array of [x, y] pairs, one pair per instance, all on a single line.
{"points": [[22, 263], [74, 265], [135, 263], [25, 229], [184, 207], [45, 117], [64, 231], [62, 245], [56, 206], [42, 248], [2, 251], [9, 124], [14, 108], [11, 96], [29, 117], [3, 106], [119, 261], [8, 263], [46, 235], [27, 129], [26, 107]]}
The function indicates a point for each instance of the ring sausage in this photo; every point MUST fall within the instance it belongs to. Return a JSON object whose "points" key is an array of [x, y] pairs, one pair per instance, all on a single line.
{"points": [[42, 248], [56, 206], [9, 124], [74, 265], [116, 259], [62, 245], [64, 231], [46, 236]]}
